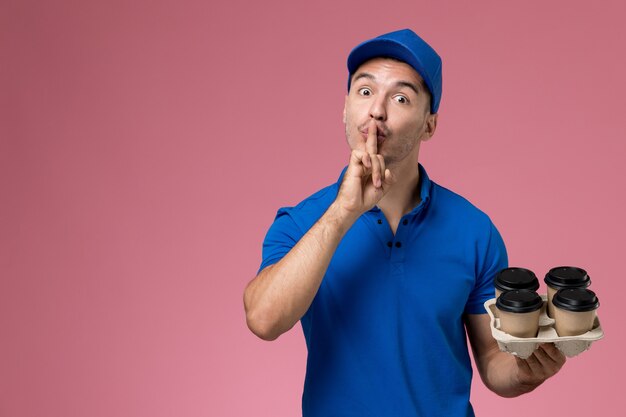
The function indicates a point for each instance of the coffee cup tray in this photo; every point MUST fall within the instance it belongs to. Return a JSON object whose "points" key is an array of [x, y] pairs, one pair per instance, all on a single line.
{"points": [[523, 347]]}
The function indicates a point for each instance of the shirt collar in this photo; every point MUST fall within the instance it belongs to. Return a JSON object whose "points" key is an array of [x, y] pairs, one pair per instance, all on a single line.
{"points": [[425, 185]]}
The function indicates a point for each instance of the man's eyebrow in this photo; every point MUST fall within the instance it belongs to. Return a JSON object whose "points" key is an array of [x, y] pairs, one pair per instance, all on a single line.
{"points": [[397, 83], [364, 75], [409, 85]]}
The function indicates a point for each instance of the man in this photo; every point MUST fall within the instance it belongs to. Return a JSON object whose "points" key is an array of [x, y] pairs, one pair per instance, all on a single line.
{"points": [[387, 270]]}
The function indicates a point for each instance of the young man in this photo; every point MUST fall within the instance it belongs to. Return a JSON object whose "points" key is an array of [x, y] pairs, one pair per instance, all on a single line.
{"points": [[387, 270]]}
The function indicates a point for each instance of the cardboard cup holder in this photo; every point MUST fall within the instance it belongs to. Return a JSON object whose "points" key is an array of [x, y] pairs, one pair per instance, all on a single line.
{"points": [[523, 347]]}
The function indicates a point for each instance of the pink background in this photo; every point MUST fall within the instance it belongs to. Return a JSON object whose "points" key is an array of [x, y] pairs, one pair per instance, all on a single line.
{"points": [[145, 147]]}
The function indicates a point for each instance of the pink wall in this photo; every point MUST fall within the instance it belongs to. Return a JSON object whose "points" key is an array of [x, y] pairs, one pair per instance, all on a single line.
{"points": [[145, 147]]}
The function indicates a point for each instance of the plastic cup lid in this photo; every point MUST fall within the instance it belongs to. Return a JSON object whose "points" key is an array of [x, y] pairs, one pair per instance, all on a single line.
{"points": [[519, 301], [514, 278], [576, 299], [567, 277]]}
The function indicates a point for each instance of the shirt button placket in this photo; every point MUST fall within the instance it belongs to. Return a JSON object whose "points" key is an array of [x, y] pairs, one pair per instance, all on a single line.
{"points": [[397, 252]]}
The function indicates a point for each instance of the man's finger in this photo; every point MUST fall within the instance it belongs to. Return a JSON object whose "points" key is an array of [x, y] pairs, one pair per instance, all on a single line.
{"points": [[381, 161], [377, 174], [523, 365], [389, 178], [553, 353], [358, 158], [544, 359], [534, 364], [371, 145]]}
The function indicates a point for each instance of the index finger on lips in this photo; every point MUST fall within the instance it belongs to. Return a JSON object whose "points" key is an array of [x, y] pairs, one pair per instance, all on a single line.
{"points": [[371, 145]]}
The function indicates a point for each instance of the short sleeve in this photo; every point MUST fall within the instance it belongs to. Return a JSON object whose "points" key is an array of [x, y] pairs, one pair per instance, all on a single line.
{"points": [[494, 259], [282, 235]]}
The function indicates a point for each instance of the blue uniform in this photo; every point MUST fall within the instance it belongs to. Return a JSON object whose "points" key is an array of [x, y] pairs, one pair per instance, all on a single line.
{"points": [[384, 333]]}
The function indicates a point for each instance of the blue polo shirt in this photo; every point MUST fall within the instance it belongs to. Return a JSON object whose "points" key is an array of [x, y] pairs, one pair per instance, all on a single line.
{"points": [[385, 333]]}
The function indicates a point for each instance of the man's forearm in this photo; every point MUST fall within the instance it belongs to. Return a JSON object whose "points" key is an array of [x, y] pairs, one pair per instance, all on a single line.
{"points": [[280, 295]]}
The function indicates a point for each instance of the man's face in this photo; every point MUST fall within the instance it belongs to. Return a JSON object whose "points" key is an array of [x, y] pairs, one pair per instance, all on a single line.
{"points": [[394, 95]]}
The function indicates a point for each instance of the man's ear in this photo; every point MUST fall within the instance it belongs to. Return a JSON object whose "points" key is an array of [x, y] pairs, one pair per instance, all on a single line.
{"points": [[345, 103], [431, 126]]}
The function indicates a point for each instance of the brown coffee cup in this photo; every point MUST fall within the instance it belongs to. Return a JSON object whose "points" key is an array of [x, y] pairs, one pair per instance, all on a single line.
{"points": [[519, 312], [574, 311], [563, 277]]}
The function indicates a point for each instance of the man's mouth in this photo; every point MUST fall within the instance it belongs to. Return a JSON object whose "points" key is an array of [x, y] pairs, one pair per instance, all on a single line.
{"points": [[380, 137]]}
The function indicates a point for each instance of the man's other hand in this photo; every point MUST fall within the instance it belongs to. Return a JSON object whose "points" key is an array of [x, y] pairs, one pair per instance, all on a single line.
{"points": [[545, 362]]}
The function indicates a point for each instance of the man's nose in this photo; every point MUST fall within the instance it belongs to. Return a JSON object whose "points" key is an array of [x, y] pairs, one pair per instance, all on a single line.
{"points": [[378, 110]]}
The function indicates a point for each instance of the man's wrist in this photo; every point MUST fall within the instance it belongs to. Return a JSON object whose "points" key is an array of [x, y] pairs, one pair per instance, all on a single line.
{"points": [[341, 217]]}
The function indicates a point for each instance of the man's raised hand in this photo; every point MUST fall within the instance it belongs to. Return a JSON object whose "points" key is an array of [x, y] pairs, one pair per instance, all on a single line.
{"points": [[366, 180]]}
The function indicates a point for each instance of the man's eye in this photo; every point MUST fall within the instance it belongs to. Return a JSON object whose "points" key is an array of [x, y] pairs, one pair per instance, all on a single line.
{"points": [[365, 91], [401, 99]]}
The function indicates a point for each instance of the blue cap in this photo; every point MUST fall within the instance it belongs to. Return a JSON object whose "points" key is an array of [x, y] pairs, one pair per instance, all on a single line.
{"points": [[406, 46]]}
